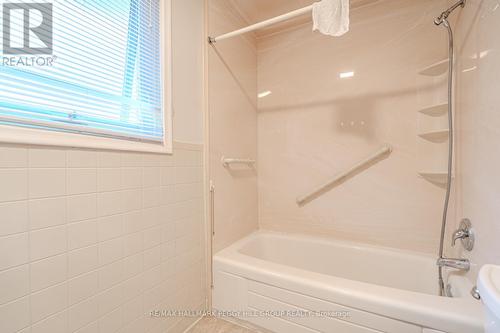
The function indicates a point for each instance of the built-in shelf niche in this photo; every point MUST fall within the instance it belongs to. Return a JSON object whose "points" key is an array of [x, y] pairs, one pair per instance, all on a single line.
{"points": [[436, 69]]}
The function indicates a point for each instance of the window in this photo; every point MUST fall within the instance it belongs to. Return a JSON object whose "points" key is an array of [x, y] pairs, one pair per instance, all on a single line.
{"points": [[87, 68]]}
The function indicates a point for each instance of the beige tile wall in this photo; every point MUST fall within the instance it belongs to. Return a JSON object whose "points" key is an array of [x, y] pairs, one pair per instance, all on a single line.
{"points": [[92, 241]]}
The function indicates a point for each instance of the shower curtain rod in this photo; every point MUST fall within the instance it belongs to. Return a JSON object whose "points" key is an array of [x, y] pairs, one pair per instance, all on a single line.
{"points": [[263, 24]]}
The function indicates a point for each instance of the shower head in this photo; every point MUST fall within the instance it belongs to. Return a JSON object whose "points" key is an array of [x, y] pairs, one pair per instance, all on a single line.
{"points": [[444, 15]]}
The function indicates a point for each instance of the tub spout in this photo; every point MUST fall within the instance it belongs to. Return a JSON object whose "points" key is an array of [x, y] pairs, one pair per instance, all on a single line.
{"points": [[460, 264]]}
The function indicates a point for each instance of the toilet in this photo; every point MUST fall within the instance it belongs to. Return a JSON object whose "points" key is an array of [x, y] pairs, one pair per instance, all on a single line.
{"points": [[489, 289]]}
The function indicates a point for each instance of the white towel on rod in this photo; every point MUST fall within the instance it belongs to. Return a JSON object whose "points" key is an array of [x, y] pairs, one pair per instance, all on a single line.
{"points": [[331, 17]]}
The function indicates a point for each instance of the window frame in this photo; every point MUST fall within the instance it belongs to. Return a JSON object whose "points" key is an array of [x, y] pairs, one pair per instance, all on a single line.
{"points": [[47, 137]]}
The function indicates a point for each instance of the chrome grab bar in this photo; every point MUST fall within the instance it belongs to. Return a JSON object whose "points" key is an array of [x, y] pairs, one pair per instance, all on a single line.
{"points": [[339, 178], [226, 162], [212, 207], [212, 232]]}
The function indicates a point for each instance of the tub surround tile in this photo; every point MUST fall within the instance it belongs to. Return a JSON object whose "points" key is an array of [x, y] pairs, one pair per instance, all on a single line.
{"points": [[82, 207], [48, 272], [14, 218], [47, 158], [18, 280], [48, 302], [77, 158], [14, 250], [13, 157], [57, 323], [45, 213], [15, 316], [83, 287], [81, 181], [83, 313], [44, 183], [82, 234], [109, 179], [14, 184], [48, 242]]}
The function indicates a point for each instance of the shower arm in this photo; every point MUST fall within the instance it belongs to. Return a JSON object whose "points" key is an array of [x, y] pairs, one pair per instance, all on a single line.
{"points": [[444, 15]]}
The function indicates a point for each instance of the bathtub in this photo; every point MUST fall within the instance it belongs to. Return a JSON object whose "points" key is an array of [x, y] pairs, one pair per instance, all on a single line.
{"points": [[294, 283]]}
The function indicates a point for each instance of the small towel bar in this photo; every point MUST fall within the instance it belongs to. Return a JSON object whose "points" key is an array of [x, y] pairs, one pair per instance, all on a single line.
{"points": [[226, 162]]}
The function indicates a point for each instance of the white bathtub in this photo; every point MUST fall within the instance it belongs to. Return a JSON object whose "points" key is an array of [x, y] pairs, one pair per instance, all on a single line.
{"points": [[381, 290]]}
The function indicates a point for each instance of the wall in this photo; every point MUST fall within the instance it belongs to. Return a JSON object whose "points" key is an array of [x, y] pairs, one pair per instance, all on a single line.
{"points": [[478, 124], [91, 241], [315, 124], [233, 124], [188, 36]]}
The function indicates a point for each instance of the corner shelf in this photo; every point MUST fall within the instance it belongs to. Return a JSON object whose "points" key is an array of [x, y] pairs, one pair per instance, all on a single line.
{"points": [[432, 128], [438, 178], [435, 110], [436, 136], [436, 69]]}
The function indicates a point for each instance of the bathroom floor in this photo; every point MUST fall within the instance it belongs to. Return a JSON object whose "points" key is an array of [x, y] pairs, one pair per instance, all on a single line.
{"points": [[216, 325]]}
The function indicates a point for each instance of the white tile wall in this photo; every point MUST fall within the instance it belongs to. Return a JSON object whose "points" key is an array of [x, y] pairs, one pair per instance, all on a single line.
{"points": [[91, 241]]}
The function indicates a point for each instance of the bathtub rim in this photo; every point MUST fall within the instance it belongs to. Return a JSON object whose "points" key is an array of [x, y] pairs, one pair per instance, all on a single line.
{"points": [[461, 315]]}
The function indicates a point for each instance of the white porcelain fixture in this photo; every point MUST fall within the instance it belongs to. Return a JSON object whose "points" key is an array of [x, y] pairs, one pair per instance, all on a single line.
{"points": [[489, 288], [383, 290]]}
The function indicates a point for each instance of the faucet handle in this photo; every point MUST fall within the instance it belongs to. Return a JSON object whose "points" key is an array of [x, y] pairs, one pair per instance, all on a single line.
{"points": [[459, 234], [465, 234]]}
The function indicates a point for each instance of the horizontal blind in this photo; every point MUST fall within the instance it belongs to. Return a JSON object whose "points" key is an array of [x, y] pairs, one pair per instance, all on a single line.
{"points": [[106, 73]]}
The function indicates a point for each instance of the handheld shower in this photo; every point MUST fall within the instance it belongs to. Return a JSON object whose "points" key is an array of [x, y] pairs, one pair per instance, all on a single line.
{"points": [[443, 19]]}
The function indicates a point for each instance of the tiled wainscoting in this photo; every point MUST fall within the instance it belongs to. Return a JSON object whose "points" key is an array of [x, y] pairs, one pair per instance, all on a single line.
{"points": [[92, 241]]}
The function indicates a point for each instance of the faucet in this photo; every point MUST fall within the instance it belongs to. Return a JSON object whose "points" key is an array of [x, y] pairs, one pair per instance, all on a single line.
{"points": [[465, 233], [460, 264]]}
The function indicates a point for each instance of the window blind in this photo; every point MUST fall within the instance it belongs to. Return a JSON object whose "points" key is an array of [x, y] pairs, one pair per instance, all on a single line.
{"points": [[105, 77]]}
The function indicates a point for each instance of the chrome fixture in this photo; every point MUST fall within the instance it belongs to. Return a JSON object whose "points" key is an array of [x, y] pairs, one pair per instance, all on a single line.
{"points": [[475, 293], [465, 234], [448, 292], [212, 222], [444, 15], [460, 264], [443, 19]]}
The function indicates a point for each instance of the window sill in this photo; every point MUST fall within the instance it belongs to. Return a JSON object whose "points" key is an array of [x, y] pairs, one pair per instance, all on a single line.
{"points": [[19, 135]]}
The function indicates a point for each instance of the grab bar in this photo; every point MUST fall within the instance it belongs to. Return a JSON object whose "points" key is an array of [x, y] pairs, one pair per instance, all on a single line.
{"points": [[226, 162], [339, 178], [212, 231]]}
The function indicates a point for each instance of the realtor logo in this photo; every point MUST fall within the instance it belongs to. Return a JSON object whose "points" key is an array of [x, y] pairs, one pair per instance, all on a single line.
{"points": [[27, 28]]}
